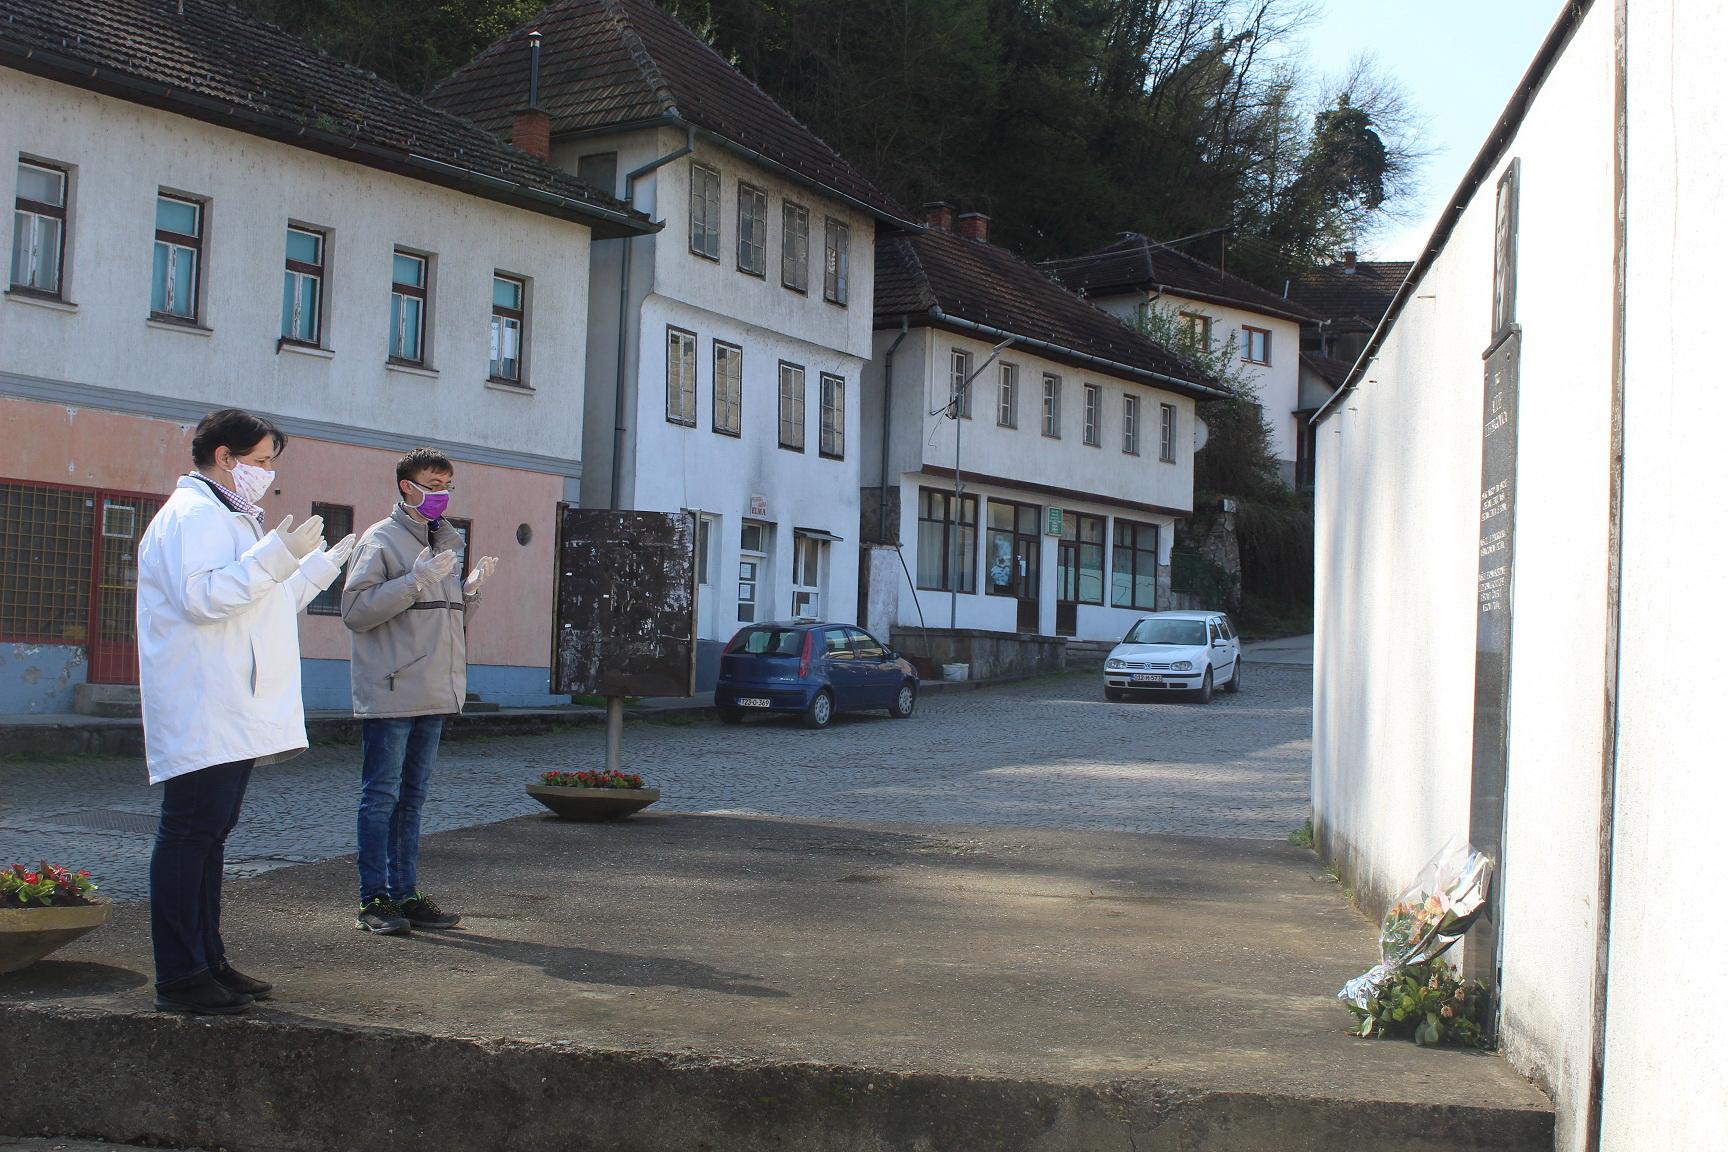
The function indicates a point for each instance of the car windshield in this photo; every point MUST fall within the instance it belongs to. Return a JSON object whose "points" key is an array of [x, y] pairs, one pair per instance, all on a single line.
{"points": [[1190, 632], [771, 642]]}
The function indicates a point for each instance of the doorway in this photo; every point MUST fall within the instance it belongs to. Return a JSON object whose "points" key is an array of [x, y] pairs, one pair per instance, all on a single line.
{"points": [[1014, 545]]}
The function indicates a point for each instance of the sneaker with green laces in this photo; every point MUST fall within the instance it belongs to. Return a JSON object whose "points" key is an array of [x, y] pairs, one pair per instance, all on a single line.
{"points": [[421, 912], [381, 917]]}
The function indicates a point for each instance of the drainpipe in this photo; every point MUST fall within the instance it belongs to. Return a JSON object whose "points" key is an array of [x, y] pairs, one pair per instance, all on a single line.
{"points": [[615, 704], [887, 416], [618, 425]]}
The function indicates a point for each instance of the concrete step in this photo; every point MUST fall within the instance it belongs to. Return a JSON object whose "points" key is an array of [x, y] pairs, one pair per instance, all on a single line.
{"points": [[113, 700], [474, 704]]}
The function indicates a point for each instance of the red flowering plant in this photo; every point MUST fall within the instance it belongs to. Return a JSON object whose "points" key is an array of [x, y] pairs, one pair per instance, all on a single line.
{"points": [[588, 779], [51, 884]]}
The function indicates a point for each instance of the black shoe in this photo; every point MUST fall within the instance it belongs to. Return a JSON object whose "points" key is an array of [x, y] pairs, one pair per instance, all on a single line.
{"points": [[422, 913], [235, 980], [380, 917], [202, 995]]}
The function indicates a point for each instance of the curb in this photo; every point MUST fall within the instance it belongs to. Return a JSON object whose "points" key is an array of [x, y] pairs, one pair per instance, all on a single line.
{"points": [[259, 1084]]}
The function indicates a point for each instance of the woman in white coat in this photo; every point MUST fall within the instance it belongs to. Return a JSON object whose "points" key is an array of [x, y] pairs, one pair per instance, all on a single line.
{"points": [[219, 672]]}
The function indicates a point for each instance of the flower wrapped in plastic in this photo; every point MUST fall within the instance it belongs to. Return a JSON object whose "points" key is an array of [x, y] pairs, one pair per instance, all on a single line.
{"points": [[1432, 915]]}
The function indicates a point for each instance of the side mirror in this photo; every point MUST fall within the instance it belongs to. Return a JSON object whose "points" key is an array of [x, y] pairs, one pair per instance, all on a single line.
{"points": [[1220, 643]]}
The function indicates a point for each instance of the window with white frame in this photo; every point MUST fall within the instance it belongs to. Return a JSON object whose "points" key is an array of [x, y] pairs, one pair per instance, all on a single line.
{"points": [[176, 268], [795, 246], [680, 377], [1167, 433], [39, 229], [728, 388], [959, 395], [809, 562], [1091, 417], [752, 230], [791, 406], [704, 211], [1052, 405], [303, 287], [836, 261], [754, 541], [833, 443], [1134, 566], [1256, 345], [408, 307], [509, 318], [1131, 424], [1008, 396]]}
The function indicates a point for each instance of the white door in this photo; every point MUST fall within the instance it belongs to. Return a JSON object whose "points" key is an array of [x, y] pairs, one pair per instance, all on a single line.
{"points": [[708, 618]]}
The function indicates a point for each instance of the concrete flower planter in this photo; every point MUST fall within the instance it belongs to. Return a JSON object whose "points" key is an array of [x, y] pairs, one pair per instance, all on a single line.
{"points": [[28, 934], [593, 803]]}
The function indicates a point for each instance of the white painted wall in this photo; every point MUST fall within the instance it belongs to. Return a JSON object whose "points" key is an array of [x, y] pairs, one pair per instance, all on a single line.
{"points": [[122, 154], [1396, 552], [1667, 1085], [1275, 382], [670, 467]]}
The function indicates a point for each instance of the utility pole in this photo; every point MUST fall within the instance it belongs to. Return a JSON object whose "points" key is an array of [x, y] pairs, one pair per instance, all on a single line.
{"points": [[956, 405]]}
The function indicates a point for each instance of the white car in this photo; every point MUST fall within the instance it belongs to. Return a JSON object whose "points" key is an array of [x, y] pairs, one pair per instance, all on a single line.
{"points": [[1176, 652]]}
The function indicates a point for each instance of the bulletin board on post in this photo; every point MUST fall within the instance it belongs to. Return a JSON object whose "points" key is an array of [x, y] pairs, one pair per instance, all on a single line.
{"points": [[626, 617]]}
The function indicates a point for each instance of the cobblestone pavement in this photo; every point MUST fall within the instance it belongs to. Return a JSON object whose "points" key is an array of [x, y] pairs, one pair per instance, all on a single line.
{"points": [[1043, 753]]}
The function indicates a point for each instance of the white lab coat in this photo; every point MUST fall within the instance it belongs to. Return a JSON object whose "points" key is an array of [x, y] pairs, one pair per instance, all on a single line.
{"points": [[218, 645]]}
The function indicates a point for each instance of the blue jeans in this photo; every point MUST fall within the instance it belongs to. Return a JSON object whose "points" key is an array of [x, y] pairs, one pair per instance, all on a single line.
{"points": [[397, 756], [199, 810]]}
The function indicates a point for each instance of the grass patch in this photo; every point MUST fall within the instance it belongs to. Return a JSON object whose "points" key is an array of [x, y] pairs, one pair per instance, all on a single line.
{"points": [[1303, 837]]}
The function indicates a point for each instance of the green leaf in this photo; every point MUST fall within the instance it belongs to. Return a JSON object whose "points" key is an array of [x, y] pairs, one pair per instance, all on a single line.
{"points": [[1428, 1032]]}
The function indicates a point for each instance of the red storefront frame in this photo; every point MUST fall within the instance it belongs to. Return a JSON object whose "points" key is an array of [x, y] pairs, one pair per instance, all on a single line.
{"points": [[117, 522]]}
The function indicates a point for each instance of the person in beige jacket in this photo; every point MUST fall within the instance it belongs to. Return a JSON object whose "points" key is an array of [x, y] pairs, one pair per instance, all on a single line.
{"points": [[408, 608]]}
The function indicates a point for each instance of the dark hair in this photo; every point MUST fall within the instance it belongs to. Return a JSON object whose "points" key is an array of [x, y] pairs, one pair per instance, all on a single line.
{"points": [[421, 460], [234, 430]]}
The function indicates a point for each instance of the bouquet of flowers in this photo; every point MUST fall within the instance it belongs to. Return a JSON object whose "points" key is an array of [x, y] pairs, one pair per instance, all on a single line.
{"points": [[1432, 915]]}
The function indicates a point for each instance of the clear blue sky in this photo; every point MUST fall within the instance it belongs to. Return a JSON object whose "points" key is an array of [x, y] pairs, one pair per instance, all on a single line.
{"points": [[1458, 62]]}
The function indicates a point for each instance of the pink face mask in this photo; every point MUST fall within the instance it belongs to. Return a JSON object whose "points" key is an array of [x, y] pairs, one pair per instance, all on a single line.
{"points": [[432, 504]]}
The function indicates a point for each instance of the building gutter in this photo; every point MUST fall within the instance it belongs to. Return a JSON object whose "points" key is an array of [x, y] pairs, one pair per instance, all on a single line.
{"points": [[619, 426], [607, 222], [887, 423], [1610, 785], [1480, 169], [1115, 367]]}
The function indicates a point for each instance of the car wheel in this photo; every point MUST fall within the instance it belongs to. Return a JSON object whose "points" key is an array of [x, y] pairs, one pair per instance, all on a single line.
{"points": [[904, 701], [820, 713], [1114, 694], [731, 716], [1235, 684], [1204, 695]]}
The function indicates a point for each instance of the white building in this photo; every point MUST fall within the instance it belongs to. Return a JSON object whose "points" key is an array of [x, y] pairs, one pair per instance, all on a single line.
{"points": [[1074, 449], [1519, 564], [1132, 275], [208, 213], [730, 387]]}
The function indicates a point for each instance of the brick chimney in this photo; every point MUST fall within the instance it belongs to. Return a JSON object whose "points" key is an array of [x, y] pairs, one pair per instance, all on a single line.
{"points": [[975, 226], [1349, 261], [531, 131], [939, 214]]}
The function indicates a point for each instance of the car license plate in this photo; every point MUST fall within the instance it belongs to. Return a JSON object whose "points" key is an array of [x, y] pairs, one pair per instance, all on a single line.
{"points": [[1147, 678], [754, 702]]}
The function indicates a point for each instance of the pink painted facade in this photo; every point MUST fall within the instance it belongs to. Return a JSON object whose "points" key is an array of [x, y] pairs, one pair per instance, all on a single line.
{"points": [[89, 448]]}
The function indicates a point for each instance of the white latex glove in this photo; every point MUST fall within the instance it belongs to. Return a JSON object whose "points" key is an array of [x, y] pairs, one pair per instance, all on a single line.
{"points": [[482, 572], [430, 568], [341, 550], [304, 540]]}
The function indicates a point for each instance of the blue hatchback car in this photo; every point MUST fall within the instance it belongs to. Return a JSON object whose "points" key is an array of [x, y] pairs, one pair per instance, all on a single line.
{"points": [[814, 670]]}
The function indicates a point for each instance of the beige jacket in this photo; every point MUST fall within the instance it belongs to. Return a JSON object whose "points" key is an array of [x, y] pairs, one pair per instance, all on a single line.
{"points": [[410, 647]]}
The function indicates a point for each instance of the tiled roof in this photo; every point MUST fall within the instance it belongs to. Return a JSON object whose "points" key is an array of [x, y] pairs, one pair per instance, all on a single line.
{"points": [[612, 63], [218, 64], [1333, 371], [1339, 294], [978, 282], [1133, 263]]}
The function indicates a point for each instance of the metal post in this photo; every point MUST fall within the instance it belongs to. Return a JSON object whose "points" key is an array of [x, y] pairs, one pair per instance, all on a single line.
{"points": [[614, 733]]}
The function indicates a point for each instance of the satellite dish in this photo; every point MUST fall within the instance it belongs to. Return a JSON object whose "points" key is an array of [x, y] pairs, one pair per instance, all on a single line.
{"points": [[1201, 433]]}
